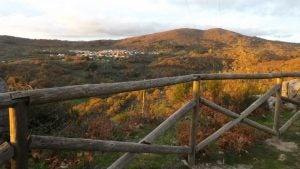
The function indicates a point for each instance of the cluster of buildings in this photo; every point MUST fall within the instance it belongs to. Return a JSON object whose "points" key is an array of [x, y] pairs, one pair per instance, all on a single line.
{"points": [[115, 53]]}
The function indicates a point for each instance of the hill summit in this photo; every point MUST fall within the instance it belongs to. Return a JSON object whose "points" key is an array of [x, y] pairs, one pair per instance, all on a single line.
{"points": [[216, 42]]}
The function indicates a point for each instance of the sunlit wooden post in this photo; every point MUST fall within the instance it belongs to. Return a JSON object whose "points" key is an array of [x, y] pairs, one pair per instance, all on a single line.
{"points": [[278, 108], [193, 129], [18, 134]]}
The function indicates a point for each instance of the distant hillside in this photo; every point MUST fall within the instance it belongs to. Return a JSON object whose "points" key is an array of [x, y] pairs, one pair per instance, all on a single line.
{"points": [[22, 48], [183, 37], [223, 42], [188, 42], [23, 42]]}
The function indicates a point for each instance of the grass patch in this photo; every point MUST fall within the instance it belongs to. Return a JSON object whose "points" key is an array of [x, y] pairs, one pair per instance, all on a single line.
{"points": [[154, 161]]}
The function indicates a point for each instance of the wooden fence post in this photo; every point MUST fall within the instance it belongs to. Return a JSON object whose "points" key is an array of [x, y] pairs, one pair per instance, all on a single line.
{"points": [[193, 129], [18, 134], [3, 114], [278, 107]]}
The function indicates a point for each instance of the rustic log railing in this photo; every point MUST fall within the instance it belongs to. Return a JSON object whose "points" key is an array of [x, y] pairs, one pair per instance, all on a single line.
{"points": [[18, 103]]}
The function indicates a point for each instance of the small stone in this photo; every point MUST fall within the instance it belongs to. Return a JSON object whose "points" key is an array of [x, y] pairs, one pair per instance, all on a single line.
{"points": [[281, 145], [244, 166], [282, 157], [63, 165], [219, 162], [80, 154]]}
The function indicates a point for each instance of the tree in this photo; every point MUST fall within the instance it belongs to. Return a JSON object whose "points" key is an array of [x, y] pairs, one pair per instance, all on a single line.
{"points": [[244, 60]]}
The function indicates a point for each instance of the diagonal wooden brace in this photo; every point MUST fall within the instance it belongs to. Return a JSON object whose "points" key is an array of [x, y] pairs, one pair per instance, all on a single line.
{"points": [[234, 122], [156, 133], [235, 115], [286, 125], [6, 152]]}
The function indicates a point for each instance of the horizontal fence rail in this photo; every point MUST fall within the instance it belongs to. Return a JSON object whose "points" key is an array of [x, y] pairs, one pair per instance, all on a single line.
{"points": [[18, 103], [232, 76], [40, 96], [61, 143], [290, 100]]}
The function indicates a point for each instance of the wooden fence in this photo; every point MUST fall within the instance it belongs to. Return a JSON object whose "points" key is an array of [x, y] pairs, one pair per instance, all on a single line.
{"points": [[20, 142]]}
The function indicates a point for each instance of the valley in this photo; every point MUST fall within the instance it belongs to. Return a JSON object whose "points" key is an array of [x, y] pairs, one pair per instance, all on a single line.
{"points": [[28, 64]]}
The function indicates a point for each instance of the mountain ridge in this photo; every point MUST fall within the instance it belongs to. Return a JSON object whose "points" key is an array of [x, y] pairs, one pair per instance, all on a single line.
{"points": [[222, 42], [181, 30]]}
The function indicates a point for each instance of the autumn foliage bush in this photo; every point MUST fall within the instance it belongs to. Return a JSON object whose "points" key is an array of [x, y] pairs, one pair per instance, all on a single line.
{"points": [[237, 139], [235, 95], [122, 116], [100, 127]]}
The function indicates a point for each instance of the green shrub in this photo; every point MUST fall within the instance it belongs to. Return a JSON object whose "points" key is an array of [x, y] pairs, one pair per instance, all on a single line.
{"points": [[47, 118]]}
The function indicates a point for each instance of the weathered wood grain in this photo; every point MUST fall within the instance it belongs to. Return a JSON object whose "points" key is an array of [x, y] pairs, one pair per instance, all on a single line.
{"points": [[40, 96], [62, 143], [194, 120], [3, 113], [18, 135], [278, 106]]}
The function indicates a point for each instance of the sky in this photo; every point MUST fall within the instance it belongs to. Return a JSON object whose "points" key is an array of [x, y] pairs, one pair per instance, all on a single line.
{"points": [[115, 19]]}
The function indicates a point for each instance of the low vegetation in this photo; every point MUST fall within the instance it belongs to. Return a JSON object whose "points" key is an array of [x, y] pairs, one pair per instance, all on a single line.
{"points": [[130, 116]]}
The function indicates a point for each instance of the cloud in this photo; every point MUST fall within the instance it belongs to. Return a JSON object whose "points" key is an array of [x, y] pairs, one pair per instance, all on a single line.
{"points": [[93, 19], [72, 27], [258, 7]]}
